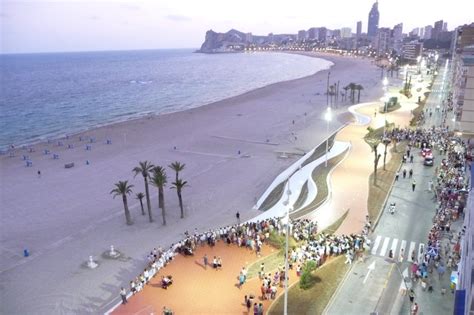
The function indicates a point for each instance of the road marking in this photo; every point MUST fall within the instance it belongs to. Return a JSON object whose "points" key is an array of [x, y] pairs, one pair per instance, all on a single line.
{"points": [[383, 251], [421, 248], [371, 267], [376, 244], [394, 246], [403, 248], [412, 248]]}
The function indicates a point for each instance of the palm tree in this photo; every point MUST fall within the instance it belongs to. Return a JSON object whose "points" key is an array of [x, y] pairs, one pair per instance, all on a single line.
{"points": [[345, 92], [358, 87], [376, 161], [177, 167], [179, 184], [159, 180], [144, 168], [140, 197], [352, 88], [332, 89], [123, 189]]}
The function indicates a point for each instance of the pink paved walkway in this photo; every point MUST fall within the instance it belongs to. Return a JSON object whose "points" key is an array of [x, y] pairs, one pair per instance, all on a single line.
{"points": [[349, 180]]}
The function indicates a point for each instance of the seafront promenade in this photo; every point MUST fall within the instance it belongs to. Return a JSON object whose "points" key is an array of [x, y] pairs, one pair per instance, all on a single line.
{"points": [[357, 162], [82, 219]]}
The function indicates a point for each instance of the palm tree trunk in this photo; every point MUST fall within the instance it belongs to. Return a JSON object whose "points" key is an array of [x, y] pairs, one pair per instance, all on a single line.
{"points": [[358, 97], [148, 205], [385, 155], [161, 199], [160, 194], [127, 212], [180, 199], [141, 205]]}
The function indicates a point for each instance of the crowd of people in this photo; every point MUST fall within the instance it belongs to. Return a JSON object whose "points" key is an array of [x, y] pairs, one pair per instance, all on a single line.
{"points": [[449, 189], [252, 236], [442, 251]]}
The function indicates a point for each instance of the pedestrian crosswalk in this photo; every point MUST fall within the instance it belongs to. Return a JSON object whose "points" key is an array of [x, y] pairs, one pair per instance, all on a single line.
{"points": [[382, 245]]}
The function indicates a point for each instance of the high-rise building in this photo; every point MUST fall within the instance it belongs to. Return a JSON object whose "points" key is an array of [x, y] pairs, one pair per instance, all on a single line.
{"points": [[301, 35], [336, 34], [313, 33], [322, 34], [382, 41], [414, 32], [359, 29], [358, 34], [412, 50], [249, 38], [445, 26], [346, 32], [428, 30], [422, 32], [398, 37], [438, 28], [463, 36], [373, 24]]}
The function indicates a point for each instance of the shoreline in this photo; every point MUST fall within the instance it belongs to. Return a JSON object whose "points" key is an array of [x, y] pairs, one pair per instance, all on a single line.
{"points": [[67, 215], [59, 136]]}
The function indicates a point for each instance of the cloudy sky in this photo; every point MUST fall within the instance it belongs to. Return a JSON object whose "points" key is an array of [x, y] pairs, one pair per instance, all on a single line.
{"points": [[81, 25]]}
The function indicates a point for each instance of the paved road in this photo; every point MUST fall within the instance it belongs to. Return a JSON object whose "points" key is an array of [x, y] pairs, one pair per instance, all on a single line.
{"points": [[378, 291]]}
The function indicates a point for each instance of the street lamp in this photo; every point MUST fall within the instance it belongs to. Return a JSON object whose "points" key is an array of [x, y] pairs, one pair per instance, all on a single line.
{"points": [[327, 117], [385, 84], [287, 204]]}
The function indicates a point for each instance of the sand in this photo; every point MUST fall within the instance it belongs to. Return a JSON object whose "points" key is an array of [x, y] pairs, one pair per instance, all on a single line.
{"points": [[68, 214]]}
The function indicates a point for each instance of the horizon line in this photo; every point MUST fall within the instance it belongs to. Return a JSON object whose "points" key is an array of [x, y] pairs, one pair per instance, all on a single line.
{"points": [[91, 51]]}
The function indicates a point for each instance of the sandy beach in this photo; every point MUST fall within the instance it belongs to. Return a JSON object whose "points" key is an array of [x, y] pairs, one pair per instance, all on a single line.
{"points": [[66, 215]]}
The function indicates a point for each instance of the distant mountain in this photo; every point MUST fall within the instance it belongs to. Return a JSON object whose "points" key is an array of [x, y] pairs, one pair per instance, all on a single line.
{"points": [[234, 41]]}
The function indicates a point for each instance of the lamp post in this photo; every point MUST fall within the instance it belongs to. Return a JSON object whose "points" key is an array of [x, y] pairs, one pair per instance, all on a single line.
{"points": [[287, 203], [385, 84], [327, 117], [327, 89], [418, 59]]}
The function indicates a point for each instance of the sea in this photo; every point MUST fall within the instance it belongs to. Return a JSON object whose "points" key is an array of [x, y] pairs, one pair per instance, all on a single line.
{"points": [[51, 95]]}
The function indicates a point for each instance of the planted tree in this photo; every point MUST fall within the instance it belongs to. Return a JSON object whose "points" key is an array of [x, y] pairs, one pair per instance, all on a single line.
{"points": [[386, 142], [145, 168], [177, 167], [376, 162], [159, 180], [140, 197], [179, 184], [345, 92], [123, 189], [358, 87]]}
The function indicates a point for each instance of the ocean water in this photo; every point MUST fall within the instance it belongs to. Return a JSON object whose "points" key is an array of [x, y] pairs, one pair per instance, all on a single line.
{"points": [[51, 95]]}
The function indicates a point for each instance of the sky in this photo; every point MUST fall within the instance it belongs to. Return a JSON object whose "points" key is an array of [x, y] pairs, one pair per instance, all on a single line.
{"points": [[82, 25]]}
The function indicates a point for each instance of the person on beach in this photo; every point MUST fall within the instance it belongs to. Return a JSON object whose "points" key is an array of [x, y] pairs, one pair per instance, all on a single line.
{"points": [[214, 262], [237, 215], [205, 261], [410, 174], [404, 173], [397, 174], [413, 185], [39, 174], [248, 303]]}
